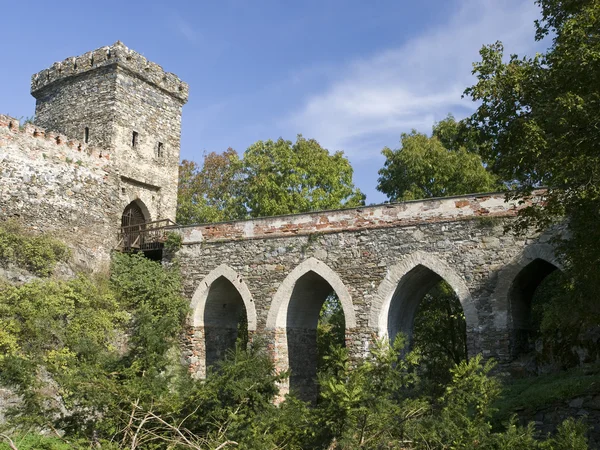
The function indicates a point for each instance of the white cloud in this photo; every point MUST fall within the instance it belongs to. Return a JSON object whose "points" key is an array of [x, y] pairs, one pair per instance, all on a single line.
{"points": [[411, 86], [184, 28]]}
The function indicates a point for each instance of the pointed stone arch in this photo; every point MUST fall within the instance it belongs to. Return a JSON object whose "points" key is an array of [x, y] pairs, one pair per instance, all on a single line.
{"points": [[507, 275], [137, 211], [531, 266], [219, 301], [277, 317], [426, 270], [133, 223], [200, 296], [293, 318]]}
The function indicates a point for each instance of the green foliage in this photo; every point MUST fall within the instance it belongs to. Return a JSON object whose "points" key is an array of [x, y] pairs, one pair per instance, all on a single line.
{"points": [[34, 441], [570, 436], [367, 406], [538, 116], [370, 405], [61, 344], [174, 242], [284, 177], [534, 393], [51, 328], [331, 330], [465, 408], [273, 177], [237, 391], [374, 405], [152, 293], [50, 319], [36, 253], [210, 193], [550, 302], [436, 166], [439, 334], [559, 340]]}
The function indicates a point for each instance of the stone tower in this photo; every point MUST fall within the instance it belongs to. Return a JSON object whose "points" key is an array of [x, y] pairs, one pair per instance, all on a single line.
{"points": [[115, 99]]}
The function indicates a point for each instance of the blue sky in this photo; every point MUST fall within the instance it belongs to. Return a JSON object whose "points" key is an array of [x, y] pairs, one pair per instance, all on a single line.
{"points": [[353, 74]]}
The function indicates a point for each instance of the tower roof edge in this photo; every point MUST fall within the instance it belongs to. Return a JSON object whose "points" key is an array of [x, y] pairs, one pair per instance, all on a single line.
{"points": [[117, 54]]}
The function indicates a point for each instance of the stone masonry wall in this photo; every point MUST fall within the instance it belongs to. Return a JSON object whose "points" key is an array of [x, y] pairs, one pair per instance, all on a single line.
{"points": [[368, 251], [72, 104], [156, 117], [379, 216], [59, 186], [109, 95]]}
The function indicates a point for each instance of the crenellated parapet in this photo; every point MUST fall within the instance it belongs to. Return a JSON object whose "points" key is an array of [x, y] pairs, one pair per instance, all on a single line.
{"points": [[50, 144], [116, 54]]}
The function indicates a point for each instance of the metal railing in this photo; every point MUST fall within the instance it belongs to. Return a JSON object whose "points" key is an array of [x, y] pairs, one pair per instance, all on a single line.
{"points": [[145, 236]]}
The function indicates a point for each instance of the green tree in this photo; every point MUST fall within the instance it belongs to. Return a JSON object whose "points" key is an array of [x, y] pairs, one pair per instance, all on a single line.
{"points": [[439, 334], [273, 177], [282, 177], [210, 193], [367, 405], [437, 166], [331, 330], [540, 116]]}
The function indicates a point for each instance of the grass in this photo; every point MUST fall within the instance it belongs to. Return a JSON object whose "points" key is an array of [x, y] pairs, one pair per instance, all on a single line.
{"points": [[534, 393]]}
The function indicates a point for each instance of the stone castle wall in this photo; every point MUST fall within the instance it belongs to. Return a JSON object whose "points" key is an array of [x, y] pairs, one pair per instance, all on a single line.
{"points": [[105, 98], [380, 261], [154, 162], [106, 134], [59, 186]]}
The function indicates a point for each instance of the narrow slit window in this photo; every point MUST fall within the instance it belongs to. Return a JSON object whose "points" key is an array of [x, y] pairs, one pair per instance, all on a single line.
{"points": [[134, 139], [86, 135], [160, 150]]}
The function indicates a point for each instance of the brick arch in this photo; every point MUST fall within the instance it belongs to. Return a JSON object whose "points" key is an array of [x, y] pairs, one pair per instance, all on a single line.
{"points": [[200, 296], [277, 317], [396, 280]]}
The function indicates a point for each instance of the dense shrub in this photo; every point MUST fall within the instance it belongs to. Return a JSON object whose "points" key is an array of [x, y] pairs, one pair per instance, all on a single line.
{"points": [[36, 253], [98, 359]]}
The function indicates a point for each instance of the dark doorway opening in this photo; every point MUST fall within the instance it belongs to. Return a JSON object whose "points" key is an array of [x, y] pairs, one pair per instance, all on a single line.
{"points": [[225, 321]]}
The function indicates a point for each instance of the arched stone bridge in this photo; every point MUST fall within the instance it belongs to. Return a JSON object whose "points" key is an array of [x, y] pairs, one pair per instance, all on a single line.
{"points": [[379, 260]]}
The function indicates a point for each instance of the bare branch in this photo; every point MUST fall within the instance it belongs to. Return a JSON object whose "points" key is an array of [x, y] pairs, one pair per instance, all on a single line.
{"points": [[10, 442]]}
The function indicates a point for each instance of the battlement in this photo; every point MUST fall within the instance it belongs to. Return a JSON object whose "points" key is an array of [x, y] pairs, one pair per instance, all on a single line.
{"points": [[53, 143], [116, 54]]}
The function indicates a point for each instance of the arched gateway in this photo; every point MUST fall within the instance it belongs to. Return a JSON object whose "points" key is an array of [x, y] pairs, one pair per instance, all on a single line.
{"points": [[133, 224]]}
